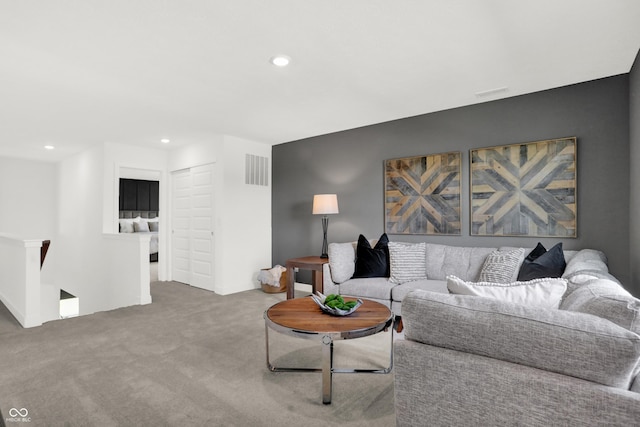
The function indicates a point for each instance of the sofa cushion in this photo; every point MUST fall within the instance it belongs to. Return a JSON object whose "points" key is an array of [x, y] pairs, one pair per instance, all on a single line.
{"points": [[407, 262], [372, 262], [372, 287], [568, 343], [586, 265], [586, 259], [400, 291], [607, 299], [342, 261], [541, 263], [463, 262], [502, 266], [533, 293]]}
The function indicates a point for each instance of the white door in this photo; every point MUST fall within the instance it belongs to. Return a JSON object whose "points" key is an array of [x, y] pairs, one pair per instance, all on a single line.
{"points": [[202, 227], [181, 226], [192, 227]]}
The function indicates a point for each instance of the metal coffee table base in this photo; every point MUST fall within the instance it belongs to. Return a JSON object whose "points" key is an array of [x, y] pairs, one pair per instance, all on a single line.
{"points": [[327, 353]]}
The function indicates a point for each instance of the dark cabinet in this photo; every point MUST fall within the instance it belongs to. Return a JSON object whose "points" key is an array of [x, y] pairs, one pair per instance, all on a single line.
{"points": [[139, 195]]}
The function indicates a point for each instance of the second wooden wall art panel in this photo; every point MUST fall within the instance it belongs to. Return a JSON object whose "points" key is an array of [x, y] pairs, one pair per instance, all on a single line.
{"points": [[526, 189]]}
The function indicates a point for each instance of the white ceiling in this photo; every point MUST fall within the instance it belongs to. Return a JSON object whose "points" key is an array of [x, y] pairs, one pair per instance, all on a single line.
{"points": [[76, 73]]}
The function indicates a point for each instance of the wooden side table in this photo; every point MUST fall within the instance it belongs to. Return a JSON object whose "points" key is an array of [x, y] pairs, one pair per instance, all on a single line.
{"points": [[313, 263]]}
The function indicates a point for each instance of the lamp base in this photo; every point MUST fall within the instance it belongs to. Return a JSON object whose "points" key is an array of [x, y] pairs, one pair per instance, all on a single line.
{"points": [[325, 246]]}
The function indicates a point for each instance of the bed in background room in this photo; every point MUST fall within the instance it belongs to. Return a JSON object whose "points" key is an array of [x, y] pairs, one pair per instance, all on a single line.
{"points": [[142, 222]]}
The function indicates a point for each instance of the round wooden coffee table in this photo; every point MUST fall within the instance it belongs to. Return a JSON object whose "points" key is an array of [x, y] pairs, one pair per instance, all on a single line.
{"points": [[302, 318]]}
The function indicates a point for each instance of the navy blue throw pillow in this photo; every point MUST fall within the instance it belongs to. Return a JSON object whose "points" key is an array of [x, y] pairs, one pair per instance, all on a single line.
{"points": [[372, 262], [542, 263], [536, 252]]}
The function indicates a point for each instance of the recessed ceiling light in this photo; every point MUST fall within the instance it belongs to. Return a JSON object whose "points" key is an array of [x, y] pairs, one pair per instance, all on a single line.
{"points": [[280, 60], [165, 141], [49, 147]]}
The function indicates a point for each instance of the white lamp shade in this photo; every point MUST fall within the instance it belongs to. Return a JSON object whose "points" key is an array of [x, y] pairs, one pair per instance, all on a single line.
{"points": [[324, 204]]}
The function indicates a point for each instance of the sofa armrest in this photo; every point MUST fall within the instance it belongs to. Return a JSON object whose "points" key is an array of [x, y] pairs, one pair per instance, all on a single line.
{"points": [[328, 286], [450, 387], [569, 343], [587, 259]]}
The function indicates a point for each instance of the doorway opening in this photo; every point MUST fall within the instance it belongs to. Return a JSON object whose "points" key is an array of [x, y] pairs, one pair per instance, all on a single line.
{"points": [[69, 305], [140, 202]]}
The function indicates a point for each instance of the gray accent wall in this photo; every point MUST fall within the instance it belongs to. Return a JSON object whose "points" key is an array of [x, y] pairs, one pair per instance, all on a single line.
{"points": [[634, 138], [350, 164]]}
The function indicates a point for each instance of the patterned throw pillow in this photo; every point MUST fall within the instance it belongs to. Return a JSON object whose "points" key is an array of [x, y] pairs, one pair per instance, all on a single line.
{"points": [[545, 293], [407, 261], [502, 266]]}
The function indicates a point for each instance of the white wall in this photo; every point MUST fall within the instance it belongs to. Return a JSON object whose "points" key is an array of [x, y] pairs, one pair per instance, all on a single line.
{"points": [[242, 224], [28, 196], [196, 154], [246, 218], [80, 223], [126, 269], [103, 271], [128, 161], [75, 202], [20, 279]]}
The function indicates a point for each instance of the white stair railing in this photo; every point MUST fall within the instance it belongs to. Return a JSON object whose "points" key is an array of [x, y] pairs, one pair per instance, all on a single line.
{"points": [[20, 288]]}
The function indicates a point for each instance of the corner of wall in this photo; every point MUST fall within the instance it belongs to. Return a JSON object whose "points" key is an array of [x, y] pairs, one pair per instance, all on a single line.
{"points": [[634, 185]]}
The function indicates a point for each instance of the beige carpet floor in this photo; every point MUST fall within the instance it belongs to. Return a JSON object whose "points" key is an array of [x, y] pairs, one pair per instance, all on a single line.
{"points": [[191, 358]]}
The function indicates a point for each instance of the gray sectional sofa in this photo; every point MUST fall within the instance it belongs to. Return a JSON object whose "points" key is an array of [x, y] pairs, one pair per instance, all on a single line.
{"points": [[469, 360], [476, 361], [440, 261]]}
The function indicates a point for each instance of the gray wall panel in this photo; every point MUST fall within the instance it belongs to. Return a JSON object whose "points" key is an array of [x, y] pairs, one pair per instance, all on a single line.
{"points": [[634, 136], [350, 163]]}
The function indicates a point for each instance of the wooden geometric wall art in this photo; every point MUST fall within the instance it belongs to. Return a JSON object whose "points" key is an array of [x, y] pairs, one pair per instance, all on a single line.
{"points": [[526, 189], [422, 195]]}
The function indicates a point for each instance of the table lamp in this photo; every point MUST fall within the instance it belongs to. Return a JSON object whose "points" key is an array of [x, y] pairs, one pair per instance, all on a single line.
{"points": [[325, 204]]}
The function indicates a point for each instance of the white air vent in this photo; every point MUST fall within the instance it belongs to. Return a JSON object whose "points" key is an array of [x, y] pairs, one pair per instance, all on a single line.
{"points": [[256, 170]]}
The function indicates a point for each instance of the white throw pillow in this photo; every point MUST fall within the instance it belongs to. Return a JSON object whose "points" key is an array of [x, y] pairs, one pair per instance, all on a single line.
{"points": [[546, 293], [342, 261], [126, 226], [502, 266], [407, 262], [141, 225]]}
